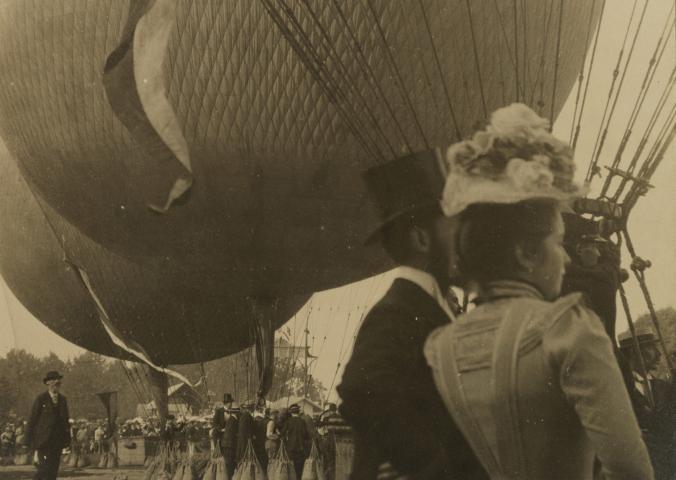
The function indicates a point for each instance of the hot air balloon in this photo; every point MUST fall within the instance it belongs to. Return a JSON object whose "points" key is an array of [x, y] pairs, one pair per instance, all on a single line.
{"points": [[279, 107]]}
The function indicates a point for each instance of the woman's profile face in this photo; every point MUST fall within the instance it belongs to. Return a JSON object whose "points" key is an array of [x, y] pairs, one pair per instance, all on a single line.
{"points": [[551, 261]]}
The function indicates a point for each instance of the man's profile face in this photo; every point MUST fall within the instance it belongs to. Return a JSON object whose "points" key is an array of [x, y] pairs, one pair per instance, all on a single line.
{"points": [[443, 259], [651, 355], [589, 254], [54, 386]]}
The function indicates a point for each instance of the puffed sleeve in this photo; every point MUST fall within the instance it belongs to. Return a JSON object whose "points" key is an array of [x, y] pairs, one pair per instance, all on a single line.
{"points": [[577, 347]]}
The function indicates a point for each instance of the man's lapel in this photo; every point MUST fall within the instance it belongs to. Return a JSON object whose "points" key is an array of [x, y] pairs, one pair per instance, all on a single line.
{"points": [[419, 303]]}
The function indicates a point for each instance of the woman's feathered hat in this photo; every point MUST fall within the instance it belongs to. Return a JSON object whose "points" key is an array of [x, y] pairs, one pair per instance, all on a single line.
{"points": [[515, 158]]}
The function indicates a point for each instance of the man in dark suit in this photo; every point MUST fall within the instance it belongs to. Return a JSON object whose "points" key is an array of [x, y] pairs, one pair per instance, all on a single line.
{"points": [[230, 439], [651, 397], [388, 393], [48, 430], [245, 430], [297, 439]]}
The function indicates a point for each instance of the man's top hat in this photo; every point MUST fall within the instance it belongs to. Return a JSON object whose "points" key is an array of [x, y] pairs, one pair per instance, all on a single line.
{"points": [[404, 185], [227, 398], [53, 375], [644, 335]]}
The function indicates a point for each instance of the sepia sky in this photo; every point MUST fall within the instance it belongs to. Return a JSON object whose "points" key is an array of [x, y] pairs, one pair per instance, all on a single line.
{"points": [[333, 316]]}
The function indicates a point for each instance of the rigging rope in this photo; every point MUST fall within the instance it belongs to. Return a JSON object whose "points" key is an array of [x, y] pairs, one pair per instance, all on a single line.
{"points": [[556, 64], [316, 68], [574, 132], [344, 71], [458, 135], [364, 65], [617, 97], [397, 73], [637, 349], [638, 266], [516, 48], [476, 60], [654, 62], [593, 165], [539, 75]]}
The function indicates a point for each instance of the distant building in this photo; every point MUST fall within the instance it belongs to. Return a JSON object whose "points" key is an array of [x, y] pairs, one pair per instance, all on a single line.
{"points": [[307, 406], [183, 400]]}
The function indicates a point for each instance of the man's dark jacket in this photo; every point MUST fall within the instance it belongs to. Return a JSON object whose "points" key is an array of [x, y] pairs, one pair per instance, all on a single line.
{"points": [[245, 432], [230, 432], [48, 423], [390, 399], [296, 437]]}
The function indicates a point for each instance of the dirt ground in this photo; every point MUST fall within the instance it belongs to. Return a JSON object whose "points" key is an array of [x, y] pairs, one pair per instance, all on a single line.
{"points": [[26, 473]]}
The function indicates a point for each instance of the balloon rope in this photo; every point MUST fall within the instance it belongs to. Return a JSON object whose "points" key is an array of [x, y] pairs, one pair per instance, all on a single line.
{"points": [[539, 76], [504, 33], [312, 59], [346, 77], [636, 347], [9, 312], [476, 60], [640, 100], [331, 86], [444, 83], [395, 69], [606, 185], [134, 387], [341, 354], [666, 94], [573, 131], [665, 141], [367, 71], [556, 64], [315, 67], [593, 164], [660, 148], [639, 273], [516, 47]]}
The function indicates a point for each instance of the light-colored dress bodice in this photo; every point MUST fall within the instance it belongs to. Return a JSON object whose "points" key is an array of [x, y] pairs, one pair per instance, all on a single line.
{"points": [[536, 389]]}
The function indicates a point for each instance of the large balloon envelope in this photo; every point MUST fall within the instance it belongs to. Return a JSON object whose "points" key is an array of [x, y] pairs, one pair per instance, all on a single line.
{"points": [[281, 109]]}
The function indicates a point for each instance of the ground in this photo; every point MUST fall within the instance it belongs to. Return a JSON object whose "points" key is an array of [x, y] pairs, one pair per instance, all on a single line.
{"points": [[13, 472]]}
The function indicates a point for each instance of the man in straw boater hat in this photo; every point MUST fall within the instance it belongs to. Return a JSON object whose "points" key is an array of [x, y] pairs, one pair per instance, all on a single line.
{"points": [[651, 397], [387, 391], [48, 430]]}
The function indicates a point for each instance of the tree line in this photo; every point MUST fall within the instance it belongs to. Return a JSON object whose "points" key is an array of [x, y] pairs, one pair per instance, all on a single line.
{"points": [[85, 375]]}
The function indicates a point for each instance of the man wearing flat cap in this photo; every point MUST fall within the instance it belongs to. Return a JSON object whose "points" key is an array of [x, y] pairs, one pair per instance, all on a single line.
{"points": [[48, 431], [387, 391], [651, 397]]}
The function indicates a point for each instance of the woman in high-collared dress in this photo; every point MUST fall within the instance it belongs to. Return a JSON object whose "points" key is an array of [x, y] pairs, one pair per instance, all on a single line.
{"points": [[530, 378]]}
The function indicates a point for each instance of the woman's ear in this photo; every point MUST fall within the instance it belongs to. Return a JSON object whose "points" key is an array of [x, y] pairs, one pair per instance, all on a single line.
{"points": [[527, 257], [420, 239]]}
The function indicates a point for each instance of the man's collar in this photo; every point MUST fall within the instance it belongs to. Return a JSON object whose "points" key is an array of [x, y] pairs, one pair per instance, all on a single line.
{"points": [[428, 283]]}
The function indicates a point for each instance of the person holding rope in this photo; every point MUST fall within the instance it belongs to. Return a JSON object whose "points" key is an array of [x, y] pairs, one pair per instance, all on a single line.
{"points": [[388, 395], [530, 377], [651, 396]]}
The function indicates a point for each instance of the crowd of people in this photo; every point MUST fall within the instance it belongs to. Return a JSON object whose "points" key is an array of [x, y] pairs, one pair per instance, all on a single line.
{"points": [[12, 438], [270, 431]]}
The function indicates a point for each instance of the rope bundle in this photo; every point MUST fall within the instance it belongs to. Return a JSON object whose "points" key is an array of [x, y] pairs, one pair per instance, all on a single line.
{"points": [[249, 468], [314, 466], [216, 467], [280, 466]]}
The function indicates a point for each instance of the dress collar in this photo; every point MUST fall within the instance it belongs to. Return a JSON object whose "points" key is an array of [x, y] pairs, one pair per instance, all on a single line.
{"points": [[499, 289]]}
